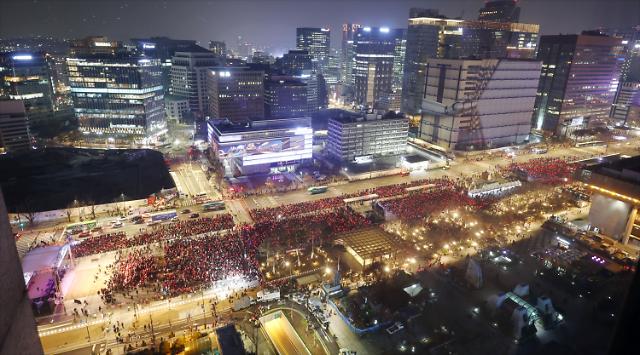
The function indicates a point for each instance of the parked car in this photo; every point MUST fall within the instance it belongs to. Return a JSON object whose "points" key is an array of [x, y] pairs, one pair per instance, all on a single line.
{"points": [[186, 211], [117, 224], [194, 215]]}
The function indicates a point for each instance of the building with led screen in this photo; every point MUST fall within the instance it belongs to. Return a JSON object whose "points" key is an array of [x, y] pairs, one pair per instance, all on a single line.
{"points": [[118, 95], [263, 146], [616, 199]]}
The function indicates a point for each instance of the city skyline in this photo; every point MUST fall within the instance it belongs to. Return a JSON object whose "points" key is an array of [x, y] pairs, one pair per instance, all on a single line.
{"points": [[226, 20]]}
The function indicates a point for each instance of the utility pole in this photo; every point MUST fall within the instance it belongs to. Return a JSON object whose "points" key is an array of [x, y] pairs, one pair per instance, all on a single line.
{"points": [[153, 333]]}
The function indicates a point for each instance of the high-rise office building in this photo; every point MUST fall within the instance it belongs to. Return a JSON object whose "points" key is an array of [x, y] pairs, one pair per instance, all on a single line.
{"points": [[478, 103], [285, 96], [219, 48], [580, 76], [236, 93], [14, 126], [368, 135], [164, 48], [189, 78], [500, 11], [294, 62], [26, 77], [375, 54], [626, 105], [630, 71], [431, 35], [316, 41], [118, 95], [315, 98], [348, 34]]}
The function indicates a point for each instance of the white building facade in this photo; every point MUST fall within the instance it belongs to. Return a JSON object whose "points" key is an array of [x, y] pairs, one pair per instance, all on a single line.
{"points": [[478, 103]]}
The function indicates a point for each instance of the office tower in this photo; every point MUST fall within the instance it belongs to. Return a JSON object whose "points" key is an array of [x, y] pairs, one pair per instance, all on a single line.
{"points": [[295, 62], [348, 34], [314, 92], [14, 126], [26, 77], [219, 48], [316, 41], [177, 108], [580, 75], [500, 11], [18, 332], [626, 105], [333, 71], [367, 135], [119, 96], [375, 54], [431, 35], [96, 45], [478, 103], [164, 48], [630, 71], [236, 93], [189, 78], [285, 96], [260, 57], [244, 49]]}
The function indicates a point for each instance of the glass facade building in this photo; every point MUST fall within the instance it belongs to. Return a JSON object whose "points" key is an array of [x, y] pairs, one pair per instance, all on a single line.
{"points": [[579, 79], [26, 77], [376, 66], [118, 95], [316, 41]]}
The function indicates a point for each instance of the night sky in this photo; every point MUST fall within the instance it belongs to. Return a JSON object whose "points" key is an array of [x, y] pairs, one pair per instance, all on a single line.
{"points": [[272, 23]]}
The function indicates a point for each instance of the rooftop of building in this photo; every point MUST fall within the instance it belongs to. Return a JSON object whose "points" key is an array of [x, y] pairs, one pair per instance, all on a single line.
{"points": [[227, 127], [369, 242], [369, 117], [627, 170]]}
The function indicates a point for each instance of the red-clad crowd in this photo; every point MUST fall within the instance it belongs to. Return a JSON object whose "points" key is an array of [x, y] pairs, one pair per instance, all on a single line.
{"points": [[135, 270], [545, 170], [99, 244], [286, 211], [422, 203], [115, 241], [190, 263]]}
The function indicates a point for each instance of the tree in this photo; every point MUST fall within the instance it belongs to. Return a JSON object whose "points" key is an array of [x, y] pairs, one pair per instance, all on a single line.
{"points": [[28, 211], [92, 207]]}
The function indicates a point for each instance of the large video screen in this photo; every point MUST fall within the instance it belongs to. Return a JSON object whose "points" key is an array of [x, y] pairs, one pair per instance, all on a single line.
{"points": [[609, 215], [269, 151]]}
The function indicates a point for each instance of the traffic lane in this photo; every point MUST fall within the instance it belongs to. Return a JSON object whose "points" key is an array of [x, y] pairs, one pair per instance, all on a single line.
{"points": [[286, 341]]}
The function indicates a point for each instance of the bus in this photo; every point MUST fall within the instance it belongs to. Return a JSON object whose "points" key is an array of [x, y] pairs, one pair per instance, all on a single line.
{"points": [[360, 198], [163, 216], [591, 144], [419, 188], [74, 228], [213, 206], [317, 189]]}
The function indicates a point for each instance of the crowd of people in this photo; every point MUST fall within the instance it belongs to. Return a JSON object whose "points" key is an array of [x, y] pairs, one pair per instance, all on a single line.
{"points": [[426, 202], [190, 263], [260, 215], [544, 170], [187, 228]]}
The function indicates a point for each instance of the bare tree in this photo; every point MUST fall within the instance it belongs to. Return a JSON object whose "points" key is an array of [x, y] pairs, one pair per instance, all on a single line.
{"points": [[92, 207], [28, 211]]}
